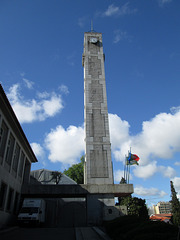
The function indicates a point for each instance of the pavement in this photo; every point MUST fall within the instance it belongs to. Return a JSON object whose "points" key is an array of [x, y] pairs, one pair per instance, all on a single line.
{"points": [[90, 233], [78, 233]]}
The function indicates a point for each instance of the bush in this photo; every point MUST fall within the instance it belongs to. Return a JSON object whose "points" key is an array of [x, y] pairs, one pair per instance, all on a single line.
{"points": [[135, 228]]}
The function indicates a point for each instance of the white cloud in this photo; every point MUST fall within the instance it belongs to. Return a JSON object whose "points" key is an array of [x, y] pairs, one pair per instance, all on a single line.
{"points": [[51, 106], [34, 110], [119, 130], [167, 171], [43, 94], [159, 138], [64, 89], [177, 163], [29, 84], [118, 175], [145, 171], [38, 150], [113, 10], [65, 145], [120, 35], [140, 190]]}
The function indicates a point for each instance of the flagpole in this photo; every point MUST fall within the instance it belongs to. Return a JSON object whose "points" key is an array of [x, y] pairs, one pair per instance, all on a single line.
{"points": [[127, 172], [125, 168]]}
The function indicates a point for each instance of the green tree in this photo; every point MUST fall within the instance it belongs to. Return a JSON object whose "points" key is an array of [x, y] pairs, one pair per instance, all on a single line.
{"points": [[175, 206], [135, 206], [76, 172], [123, 181]]}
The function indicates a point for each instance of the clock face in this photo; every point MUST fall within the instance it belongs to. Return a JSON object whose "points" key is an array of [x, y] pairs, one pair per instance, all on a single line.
{"points": [[93, 40]]}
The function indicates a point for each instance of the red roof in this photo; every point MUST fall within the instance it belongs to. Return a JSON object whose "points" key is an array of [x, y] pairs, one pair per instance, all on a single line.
{"points": [[160, 217]]}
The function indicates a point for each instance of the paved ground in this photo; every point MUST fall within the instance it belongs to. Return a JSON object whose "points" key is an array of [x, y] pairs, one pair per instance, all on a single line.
{"points": [[39, 234], [83, 233]]}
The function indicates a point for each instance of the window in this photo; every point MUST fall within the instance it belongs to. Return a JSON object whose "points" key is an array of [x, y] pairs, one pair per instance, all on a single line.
{"points": [[10, 199], [16, 157], [3, 192], [9, 150], [3, 139], [21, 164]]}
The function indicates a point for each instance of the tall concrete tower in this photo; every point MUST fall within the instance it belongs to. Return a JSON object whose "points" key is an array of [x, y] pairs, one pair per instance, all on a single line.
{"points": [[98, 164]]}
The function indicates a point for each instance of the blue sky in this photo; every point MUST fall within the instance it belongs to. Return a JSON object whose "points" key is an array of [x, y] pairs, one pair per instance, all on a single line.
{"points": [[41, 72]]}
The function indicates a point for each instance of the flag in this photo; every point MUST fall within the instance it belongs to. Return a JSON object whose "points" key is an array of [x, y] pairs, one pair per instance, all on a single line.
{"points": [[132, 162], [133, 159]]}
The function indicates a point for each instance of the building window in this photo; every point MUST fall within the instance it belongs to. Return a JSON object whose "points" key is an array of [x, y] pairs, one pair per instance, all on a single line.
{"points": [[9, 151], [3, 139], [16, 157], [10, 199], [21, 164], [16, 203], [3, 192]]}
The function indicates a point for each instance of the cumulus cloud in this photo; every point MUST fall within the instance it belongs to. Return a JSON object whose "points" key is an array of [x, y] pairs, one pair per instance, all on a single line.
{"points": [[159, 138], [30, 110], [145, 171], [119, 130], [38, 150], [142, 191], [113, 10], [168, 172], [65, 145]]}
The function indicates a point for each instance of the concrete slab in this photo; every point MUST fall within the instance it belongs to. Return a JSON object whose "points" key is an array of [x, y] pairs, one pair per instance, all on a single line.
{"points": [[77, 190]]}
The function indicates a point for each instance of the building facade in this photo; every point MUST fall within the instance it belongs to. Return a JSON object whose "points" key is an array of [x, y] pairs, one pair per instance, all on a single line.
{"points": [[16, 157], [162, 208]]}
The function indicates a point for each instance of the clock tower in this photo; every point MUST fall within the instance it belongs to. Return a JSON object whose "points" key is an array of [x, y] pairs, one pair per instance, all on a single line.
{"points": [[98, 164]]}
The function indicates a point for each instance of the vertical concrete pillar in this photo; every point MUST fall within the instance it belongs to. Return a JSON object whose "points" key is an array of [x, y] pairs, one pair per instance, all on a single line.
{"points": [[98, 164]]}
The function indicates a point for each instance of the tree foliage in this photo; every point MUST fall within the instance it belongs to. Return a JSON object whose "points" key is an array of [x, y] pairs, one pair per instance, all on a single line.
{"points": [[76, 172], [135, 206], [175, 206]]}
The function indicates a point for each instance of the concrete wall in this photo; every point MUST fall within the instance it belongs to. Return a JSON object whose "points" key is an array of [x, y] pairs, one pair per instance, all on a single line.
{"points": [[98, 164]]}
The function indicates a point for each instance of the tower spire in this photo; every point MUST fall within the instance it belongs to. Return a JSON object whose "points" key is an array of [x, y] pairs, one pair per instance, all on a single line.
{"points": [[92, 26]]}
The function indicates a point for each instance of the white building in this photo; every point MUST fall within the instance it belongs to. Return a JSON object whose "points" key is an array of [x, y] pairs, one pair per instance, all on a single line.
{"points": [[162, 208], [16, 157]]}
